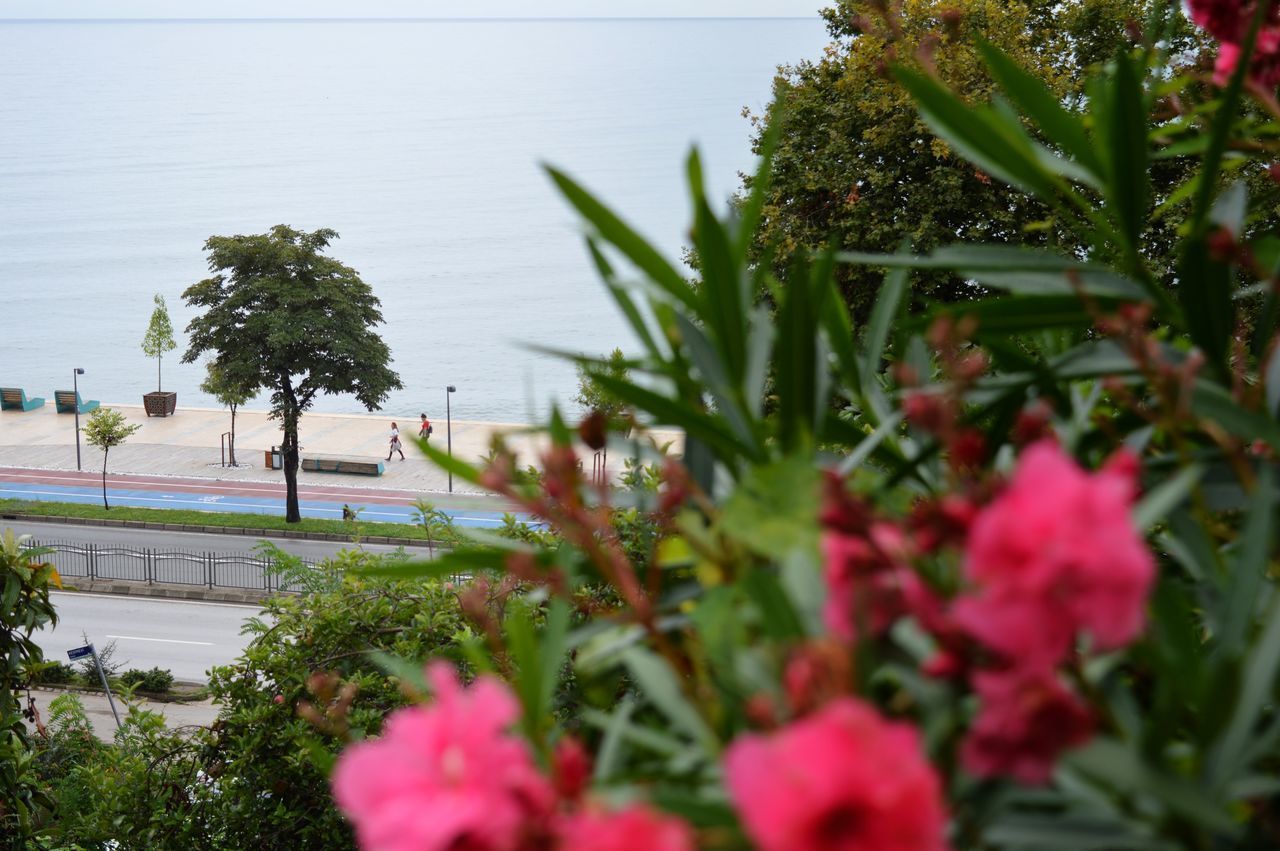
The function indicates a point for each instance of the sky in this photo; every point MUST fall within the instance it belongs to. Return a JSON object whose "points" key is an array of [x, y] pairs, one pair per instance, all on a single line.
{"points": [[11, 9]]}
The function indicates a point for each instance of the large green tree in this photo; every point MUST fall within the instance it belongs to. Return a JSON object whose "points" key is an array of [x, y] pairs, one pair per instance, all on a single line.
{"points": [[280, 315], [856, 166]]}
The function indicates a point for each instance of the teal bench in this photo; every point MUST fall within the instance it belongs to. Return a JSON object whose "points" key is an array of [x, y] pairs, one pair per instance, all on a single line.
{"points": [[69, 402], [15, 399], [317, 464]]}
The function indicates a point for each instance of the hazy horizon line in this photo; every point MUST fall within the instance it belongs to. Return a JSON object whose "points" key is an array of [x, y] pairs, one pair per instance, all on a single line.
{"points": [[435, 19]]}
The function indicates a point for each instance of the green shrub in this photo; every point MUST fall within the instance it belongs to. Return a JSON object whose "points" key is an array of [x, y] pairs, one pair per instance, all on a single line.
{"points": [[157, 680], [54, 673]]}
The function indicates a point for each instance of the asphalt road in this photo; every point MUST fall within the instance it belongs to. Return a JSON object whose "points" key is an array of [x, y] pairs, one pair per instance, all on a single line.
{"points": [[51, 533], [186, 637]]}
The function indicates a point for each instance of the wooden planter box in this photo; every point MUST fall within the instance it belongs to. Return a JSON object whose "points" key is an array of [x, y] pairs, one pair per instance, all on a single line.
{"points": [[160, 404]]}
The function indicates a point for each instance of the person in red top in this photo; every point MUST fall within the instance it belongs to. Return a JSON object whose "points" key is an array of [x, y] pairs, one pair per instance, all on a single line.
{"points": [[424, 431]]}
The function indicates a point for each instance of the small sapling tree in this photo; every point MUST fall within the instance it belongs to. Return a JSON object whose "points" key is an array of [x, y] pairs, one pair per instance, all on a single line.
{"points": [[104, 429], [159, 336], [219, 385]]}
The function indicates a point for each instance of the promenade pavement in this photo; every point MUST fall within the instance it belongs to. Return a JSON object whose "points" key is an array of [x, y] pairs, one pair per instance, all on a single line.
{"points": [[187, 444]]}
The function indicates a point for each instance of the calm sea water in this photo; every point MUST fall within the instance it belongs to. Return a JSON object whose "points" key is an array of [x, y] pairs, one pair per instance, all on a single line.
{"points": [[123, 146]]}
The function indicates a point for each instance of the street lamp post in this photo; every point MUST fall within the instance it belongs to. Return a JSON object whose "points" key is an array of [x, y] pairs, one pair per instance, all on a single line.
{"points": [[448, 428], [75, 386]]}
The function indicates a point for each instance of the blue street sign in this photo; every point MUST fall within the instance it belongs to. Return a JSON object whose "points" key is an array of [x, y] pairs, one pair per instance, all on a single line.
{"points": [[80, 652]]}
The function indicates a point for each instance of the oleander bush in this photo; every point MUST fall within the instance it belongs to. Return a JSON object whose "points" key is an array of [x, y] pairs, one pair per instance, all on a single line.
{"points": [[991, 575]]}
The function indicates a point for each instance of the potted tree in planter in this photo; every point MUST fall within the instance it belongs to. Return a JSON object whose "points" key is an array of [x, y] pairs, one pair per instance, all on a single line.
{"points": [[158, 340]]}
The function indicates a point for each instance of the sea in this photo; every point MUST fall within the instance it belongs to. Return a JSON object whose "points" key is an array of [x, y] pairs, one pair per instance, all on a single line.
{"points": [[124, 145]]}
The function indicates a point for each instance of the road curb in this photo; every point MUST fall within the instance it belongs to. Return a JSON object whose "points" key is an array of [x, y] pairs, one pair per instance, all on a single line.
{"points": [[241, 596], [219, 530]]}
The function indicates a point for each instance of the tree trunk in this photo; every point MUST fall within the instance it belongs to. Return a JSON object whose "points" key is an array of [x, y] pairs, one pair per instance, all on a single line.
{"points": [[105, 450], [232, 448], [158, 387], [290, 451]]}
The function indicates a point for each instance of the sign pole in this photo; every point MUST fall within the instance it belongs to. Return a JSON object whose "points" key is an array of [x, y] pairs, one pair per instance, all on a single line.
{"points": [[88, 650]]}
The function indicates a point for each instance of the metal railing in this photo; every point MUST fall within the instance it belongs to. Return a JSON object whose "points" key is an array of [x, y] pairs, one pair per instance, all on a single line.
{"points": [[173, 567]]}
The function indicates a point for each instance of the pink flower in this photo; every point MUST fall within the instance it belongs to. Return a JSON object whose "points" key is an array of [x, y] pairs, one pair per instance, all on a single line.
{"points": [[1222, 19], [864, 580], [842, 778], [444, 776], [1227, 21], [1264, 65], [1056, 554], [637, 828], [1028, 718]]}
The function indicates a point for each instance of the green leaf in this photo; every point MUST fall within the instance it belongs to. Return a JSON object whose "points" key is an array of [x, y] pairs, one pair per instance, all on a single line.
{"points": [[1128, 186], [1166, 496], [1017, 269], [616, 232], [773, 508], [1111, 763], [870, 443], [978, 135], [659, 686], [646, 737], [1256, 691], [1214, 402], [697, 424], [449, 463], [883, 315], [1033, 97], [1023, 314], [799, 377], [609, 758], [778, 619], [1248, 569], [458, 561], [1231, 207], [1273, 383]]}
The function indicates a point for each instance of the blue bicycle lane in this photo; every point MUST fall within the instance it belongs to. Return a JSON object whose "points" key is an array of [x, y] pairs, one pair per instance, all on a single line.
{"points": [[228, 496]]}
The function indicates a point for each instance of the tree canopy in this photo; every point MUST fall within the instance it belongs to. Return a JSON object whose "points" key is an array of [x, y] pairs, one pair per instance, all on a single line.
{"points": [[280, 315], [855, 165]]}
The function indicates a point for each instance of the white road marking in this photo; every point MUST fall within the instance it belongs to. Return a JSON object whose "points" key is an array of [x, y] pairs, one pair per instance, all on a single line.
{"points": [[165, 640]]}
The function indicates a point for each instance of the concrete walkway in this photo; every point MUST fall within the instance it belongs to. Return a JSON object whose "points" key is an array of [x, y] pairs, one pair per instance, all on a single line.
{"points": [[201, 713], [188, 444]]}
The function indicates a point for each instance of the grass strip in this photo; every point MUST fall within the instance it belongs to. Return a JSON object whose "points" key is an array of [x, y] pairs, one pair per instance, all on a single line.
{"points": [[266, 522]]}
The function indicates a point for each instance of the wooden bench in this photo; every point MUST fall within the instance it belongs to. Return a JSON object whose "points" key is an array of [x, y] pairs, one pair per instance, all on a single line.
{"points": [[69, 402], [353, 466], [15, 399]]}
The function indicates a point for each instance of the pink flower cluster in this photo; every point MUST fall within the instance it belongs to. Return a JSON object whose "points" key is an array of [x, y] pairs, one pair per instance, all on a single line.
{"points": [[450, 776], [1228, 22], [840, 779], [1053, 559]]}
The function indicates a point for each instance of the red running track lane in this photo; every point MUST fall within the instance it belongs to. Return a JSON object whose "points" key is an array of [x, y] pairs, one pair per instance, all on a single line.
{"points": [[173, 484]]}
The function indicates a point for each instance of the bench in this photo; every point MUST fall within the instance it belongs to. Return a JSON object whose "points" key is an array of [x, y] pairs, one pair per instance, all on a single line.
{"points": [[69, 402], [320, 464], [15, 399]]}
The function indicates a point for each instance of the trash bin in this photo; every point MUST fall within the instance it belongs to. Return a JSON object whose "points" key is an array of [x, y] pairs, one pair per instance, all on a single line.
{"points": [[272, 459]]}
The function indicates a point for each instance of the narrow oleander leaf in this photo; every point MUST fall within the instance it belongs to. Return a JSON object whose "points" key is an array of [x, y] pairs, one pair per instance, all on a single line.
{"points": [[1166, 496], [978, 135], [1033, 97], [621, 236], [658, 684], [889, 302]]}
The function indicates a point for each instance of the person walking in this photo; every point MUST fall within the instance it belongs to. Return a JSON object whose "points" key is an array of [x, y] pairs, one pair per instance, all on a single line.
{"points": [[395, 443], [424, 430]]}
